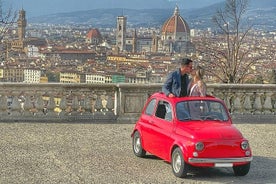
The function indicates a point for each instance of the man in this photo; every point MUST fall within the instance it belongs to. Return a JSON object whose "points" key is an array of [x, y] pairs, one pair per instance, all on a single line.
{"points": [[177, 81]]}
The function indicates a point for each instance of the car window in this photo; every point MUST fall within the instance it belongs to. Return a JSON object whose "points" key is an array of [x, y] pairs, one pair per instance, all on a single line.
{"points": [[201, 110], [164, 110], [150, 107]]}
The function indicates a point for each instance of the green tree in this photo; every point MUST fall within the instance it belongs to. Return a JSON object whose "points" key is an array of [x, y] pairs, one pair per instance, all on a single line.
{"points": [[52, 76]]}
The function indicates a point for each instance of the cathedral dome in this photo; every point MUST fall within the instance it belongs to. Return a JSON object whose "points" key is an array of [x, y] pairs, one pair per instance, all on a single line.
{"points": [[94, 33], [175, 24], [94, 37]]}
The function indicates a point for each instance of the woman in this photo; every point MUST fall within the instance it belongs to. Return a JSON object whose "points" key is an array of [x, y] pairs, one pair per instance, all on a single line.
{"points": [[198, 86]]}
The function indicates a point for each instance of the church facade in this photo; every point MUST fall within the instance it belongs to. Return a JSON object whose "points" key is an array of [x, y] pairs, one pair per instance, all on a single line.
{"points": [[174, 37]]}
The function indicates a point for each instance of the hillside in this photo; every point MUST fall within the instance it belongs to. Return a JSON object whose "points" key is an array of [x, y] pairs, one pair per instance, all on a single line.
{"points": [[264, 16]]}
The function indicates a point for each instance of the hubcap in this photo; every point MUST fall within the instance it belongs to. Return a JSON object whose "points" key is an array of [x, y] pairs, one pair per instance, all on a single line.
{"points": [[176, 162], [137, 145]]}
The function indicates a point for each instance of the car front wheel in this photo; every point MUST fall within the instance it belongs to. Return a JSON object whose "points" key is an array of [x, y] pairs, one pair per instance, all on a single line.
{"points": [[137, 146], [241, 170], [179, 167]]}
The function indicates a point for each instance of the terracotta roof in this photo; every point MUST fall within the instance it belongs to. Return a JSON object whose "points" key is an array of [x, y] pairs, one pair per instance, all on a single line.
{"points": [[175, 24], [94, 33]]}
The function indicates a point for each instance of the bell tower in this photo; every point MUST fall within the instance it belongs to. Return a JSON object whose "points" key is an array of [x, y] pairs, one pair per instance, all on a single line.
{"points": [[134, 42], [21, 23], [154, 46], [121, 33]]}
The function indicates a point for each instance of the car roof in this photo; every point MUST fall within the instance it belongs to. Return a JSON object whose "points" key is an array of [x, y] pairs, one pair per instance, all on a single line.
{"points": [[161, 95]]}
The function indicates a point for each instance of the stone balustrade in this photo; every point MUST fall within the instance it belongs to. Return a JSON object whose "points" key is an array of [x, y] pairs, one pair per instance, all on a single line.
{"points": [[54, 102]]}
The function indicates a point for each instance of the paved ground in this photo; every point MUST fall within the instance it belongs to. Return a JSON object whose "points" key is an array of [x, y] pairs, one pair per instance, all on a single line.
{"points": [[101, 153]]}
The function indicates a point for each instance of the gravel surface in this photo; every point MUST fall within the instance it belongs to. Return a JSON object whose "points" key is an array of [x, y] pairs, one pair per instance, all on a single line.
{"points": [[102, 153]]}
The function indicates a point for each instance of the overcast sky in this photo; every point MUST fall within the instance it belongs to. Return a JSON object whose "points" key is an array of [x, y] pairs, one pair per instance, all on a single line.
{"points": [[44, 7]]}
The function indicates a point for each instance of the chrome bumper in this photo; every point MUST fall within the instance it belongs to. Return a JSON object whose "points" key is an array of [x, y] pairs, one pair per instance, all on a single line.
{"points": [[220, 160]]}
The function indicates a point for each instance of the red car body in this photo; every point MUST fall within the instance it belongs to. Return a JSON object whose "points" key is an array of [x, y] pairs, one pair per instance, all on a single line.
{"points": [[186, 131]]}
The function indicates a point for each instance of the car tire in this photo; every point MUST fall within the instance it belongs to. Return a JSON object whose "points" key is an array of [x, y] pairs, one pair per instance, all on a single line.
{"points": [[137, 145], [241, 170], [179, 166]]}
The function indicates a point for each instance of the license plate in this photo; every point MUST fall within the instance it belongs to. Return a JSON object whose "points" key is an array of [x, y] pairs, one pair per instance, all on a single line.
{"points": [[223, 165]]}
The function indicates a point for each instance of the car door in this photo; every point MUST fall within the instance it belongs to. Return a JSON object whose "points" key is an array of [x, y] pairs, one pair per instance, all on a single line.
{"points": [[146, 125], [162, 127]]}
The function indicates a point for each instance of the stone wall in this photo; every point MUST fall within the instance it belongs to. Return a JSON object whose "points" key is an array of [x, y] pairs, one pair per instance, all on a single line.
{"points": [[122, 103]]}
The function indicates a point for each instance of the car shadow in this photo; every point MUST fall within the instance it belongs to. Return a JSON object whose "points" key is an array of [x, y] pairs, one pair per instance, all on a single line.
{"points": [[151, 157], [262, 170]]}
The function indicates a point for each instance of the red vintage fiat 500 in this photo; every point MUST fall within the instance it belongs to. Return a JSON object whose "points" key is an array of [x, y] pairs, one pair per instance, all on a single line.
{"points": [[196, 131]]}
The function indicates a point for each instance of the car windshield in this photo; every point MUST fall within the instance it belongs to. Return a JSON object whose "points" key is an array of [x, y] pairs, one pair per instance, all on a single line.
{"points": [[201, 110]]}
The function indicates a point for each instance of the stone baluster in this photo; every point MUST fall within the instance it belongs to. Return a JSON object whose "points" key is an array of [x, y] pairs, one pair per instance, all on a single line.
{"points": [[220, 94], [267, 103], [274, 109], [110, 104], [40, 106], [75, 105], [247, 103], [227, 102], [3, 105], [98, 105], [104, 103], [63, 106], [87, 105], [110, 108], [237, 107], [15, 106], [258, 104], [28, 106], [51, 107]]}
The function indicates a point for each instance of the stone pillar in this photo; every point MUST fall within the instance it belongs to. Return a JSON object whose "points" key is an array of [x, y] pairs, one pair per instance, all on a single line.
{"points": [[40, 106], [247, 103], [237, 107], [75, 105], [257, 104], [28, 106], [15, 107], [267, 103], [3, 106], [51, 107]]}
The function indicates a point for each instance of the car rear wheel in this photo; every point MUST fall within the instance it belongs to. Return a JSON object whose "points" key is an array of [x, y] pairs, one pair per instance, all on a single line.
{"points": [[241, 170], [179, 167], [137, 146]]}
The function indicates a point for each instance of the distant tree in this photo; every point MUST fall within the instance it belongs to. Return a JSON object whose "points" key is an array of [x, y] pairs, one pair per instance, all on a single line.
{"points": [[273, 76], [7, 19], [52, 76], [226, 56]]}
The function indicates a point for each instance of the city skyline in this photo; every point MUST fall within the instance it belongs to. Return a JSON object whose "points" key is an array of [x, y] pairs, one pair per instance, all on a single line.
{"points": [[42, 7]]}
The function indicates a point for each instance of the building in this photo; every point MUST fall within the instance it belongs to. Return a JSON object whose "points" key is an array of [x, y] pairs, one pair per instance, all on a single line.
{"points": [[98, 78], [137, 44], [69, 77], [13, 74], [94, 37], [20, 44], [121, 33], [32, 75], [69, 54], [32, 51], [175, 35]]}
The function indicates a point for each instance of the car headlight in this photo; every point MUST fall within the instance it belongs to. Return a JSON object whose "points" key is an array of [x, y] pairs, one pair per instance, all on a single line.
{"points": [[199, 146], [244, 145]]}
